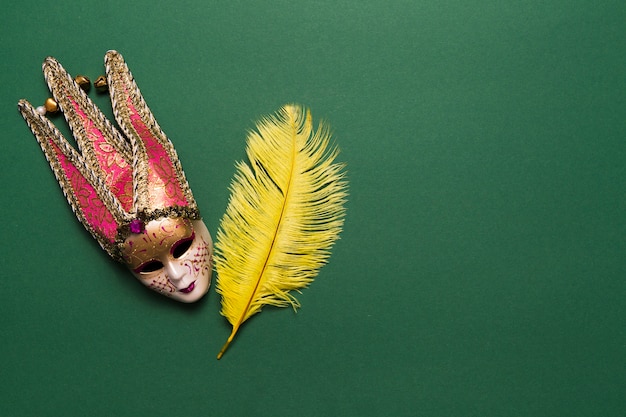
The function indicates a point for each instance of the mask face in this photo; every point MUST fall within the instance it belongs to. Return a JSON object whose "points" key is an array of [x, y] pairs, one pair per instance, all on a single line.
{"points": [[172, 256]]}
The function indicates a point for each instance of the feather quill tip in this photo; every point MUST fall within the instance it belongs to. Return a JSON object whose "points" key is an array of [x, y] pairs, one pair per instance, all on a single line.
{"points": [[285, 212]]}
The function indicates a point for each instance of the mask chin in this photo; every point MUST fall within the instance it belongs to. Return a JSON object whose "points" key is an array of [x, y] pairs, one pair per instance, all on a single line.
{"points": [[172, 256]]}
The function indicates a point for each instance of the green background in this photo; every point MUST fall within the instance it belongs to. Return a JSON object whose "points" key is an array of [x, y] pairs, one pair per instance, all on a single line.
{"points": [[481, 271]]}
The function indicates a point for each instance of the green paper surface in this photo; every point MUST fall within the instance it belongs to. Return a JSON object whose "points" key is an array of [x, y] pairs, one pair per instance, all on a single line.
{"points": [[481, 271]]}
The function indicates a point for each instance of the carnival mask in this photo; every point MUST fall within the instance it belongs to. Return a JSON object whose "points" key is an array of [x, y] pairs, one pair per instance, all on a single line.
{"points": [[128, 190]]}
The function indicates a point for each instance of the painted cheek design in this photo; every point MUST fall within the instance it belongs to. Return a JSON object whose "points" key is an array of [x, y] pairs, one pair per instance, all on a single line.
{"points": [[162, 285], [198, 264]]}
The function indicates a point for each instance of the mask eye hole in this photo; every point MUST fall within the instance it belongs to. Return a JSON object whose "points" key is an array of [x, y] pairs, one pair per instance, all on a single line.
{"points": [[182, 246], [148, 267]]}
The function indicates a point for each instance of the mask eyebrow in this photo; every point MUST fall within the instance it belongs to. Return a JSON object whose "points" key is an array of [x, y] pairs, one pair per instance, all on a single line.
{"points": [[182, 246], [149, 266]]}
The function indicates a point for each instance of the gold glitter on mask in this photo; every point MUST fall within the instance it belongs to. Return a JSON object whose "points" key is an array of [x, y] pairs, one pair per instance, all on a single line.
{"points": [[155, 243]]}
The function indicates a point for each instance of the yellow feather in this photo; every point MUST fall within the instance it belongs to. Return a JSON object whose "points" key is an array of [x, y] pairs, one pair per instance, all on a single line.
{"points": [[286, 210]]}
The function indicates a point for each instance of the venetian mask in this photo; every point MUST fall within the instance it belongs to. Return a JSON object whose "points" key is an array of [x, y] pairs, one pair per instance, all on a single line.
{"points": [[127, 188], [172, 257]]}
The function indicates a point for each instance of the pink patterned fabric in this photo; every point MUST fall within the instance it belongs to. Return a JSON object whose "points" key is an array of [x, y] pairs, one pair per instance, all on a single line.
{"points": [[92, 208], [119, 176], [164, 188]]}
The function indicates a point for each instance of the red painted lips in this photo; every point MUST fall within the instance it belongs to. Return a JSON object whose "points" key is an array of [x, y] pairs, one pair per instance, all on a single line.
{"points": [[189, 288]]}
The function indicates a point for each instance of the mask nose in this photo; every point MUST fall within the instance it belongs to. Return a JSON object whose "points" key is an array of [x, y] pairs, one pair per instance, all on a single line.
{"points": [[175, 271]]}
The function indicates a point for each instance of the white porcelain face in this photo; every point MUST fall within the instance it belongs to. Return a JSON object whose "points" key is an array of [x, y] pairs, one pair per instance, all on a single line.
{"points": [[172, 256]]}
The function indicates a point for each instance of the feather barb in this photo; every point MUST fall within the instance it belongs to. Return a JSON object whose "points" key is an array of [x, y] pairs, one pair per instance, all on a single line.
{"points": [[285, 212]]}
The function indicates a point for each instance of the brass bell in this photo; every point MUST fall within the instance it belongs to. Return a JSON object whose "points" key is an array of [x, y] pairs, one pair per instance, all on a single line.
{"points": [[101, 84], [83, 82], [51, 105]]}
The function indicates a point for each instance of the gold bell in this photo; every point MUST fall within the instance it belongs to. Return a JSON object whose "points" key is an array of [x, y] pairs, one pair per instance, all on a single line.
{"points": [[51, 105], [101, 84], [83, 82]]}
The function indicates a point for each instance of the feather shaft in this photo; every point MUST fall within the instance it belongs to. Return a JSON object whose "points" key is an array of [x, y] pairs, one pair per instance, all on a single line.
{"points": [[285, 212]]}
